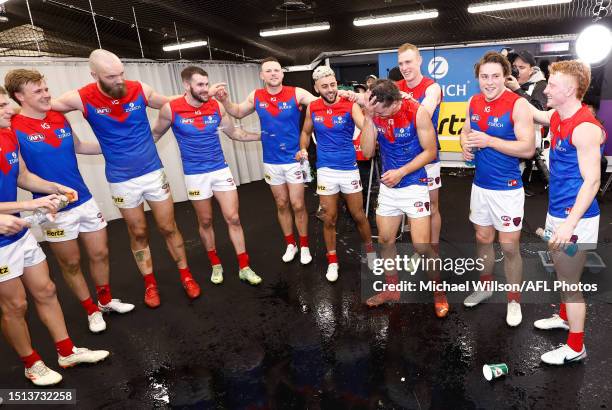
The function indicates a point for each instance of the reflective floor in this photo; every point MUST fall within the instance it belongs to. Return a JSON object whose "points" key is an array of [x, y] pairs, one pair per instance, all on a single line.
{"points": [[299, 342]]}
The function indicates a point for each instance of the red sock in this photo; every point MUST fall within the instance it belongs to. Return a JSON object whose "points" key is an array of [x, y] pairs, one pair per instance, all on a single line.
{"points": [[213, 257], [562, 312], [369, 247], [89, 306], [149, 280], [486, 278], [28, 361], [290, 239], [514, 297], [303, 241], [185, 274], [64, 347], [104, 294], [243, 260], [332, 257], [575, 341]]}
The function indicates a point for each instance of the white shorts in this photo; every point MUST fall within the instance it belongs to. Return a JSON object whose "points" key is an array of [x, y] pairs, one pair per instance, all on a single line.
{"points": [[201, 186], [278, 174], [433, 175], [412, 200], [504, 210], [331, 181], [67, 225], [153, 186], [587, 230], [19, 255]]}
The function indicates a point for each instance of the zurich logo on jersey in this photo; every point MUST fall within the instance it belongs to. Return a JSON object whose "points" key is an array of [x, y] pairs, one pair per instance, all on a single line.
{"points": [[15, 158], [338, 120], [131, 107], [210, 120], [284, 106], [63, 133], [496, 123], [560, 147], [36, 138]]}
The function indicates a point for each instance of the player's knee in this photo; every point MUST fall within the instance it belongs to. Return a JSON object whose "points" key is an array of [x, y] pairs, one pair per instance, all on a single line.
{"points": [[511, 250], [99, 255], [168, 229], [15, 307], [233, 219], [360, 217], [386, 239], [206, 223], [485, 238], [45, 292], [298, 206], [138, 233], [282, 204], [72, 265], [330, 219]]}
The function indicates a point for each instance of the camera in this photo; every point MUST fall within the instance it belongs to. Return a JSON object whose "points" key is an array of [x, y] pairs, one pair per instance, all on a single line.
{"points": [[515, 72]]}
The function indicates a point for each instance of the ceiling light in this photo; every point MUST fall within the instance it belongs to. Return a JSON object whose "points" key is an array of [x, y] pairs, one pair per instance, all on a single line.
{"points": [[305, 28], [3, 1], [594, 43], [396, 18], [181, 46], [507, 5]]}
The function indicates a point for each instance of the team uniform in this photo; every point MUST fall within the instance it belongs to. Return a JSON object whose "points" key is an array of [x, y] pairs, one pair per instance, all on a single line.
{"points": [[399, 144], [279, 117], [133, 168], [20, 250], [49, 141], [566, 180], [196, 131], [336, 167], [433, 169], [497, 197]]}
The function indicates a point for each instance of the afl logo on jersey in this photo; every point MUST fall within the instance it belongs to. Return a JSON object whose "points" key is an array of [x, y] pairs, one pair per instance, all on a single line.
{"points": [[36, 138], [475, 117], [319, 118], [263, 105], [187, 121], [103, 110]]}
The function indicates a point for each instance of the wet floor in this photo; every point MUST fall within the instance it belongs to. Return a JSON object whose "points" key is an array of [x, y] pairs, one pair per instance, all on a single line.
{"points": [[299, 342]]}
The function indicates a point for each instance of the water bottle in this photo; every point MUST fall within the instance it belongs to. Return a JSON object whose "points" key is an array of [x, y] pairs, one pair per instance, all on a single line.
{"points": [[41, 216], [306, 172], [472, 163], [569, 249]]}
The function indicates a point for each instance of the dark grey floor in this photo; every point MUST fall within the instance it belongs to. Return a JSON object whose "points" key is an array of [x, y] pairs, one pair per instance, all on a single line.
{"points": [[298, 341]]}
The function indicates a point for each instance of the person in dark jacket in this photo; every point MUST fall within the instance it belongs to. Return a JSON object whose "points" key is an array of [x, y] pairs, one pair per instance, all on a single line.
{"points": [[528, 81]]}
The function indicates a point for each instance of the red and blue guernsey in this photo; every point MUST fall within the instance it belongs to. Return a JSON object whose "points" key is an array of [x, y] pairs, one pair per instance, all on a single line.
{"points": [[565, 177], [399, 143], [334, 128], [123, 130], [196, 131], [9, 171], [47, 147], [418, 93], [279, 118], [495, 170]]}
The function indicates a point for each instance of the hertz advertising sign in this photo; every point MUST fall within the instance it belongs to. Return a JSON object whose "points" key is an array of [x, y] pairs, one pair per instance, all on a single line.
{"points": [[453, 69]]}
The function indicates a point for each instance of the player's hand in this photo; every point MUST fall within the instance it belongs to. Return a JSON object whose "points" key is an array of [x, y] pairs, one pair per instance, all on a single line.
{"points": [[213, 89], [407, 96], [49, 203], [512, 83], [222, 95], [478, 139], [301, 155], [392, 177], [468, 155], [348, 94], [369, 105], [562, 236], [68, 192], [10, 225]]}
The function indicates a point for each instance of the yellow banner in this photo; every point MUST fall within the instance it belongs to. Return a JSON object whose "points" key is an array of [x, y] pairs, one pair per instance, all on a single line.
{"points": [[450, 122]]}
